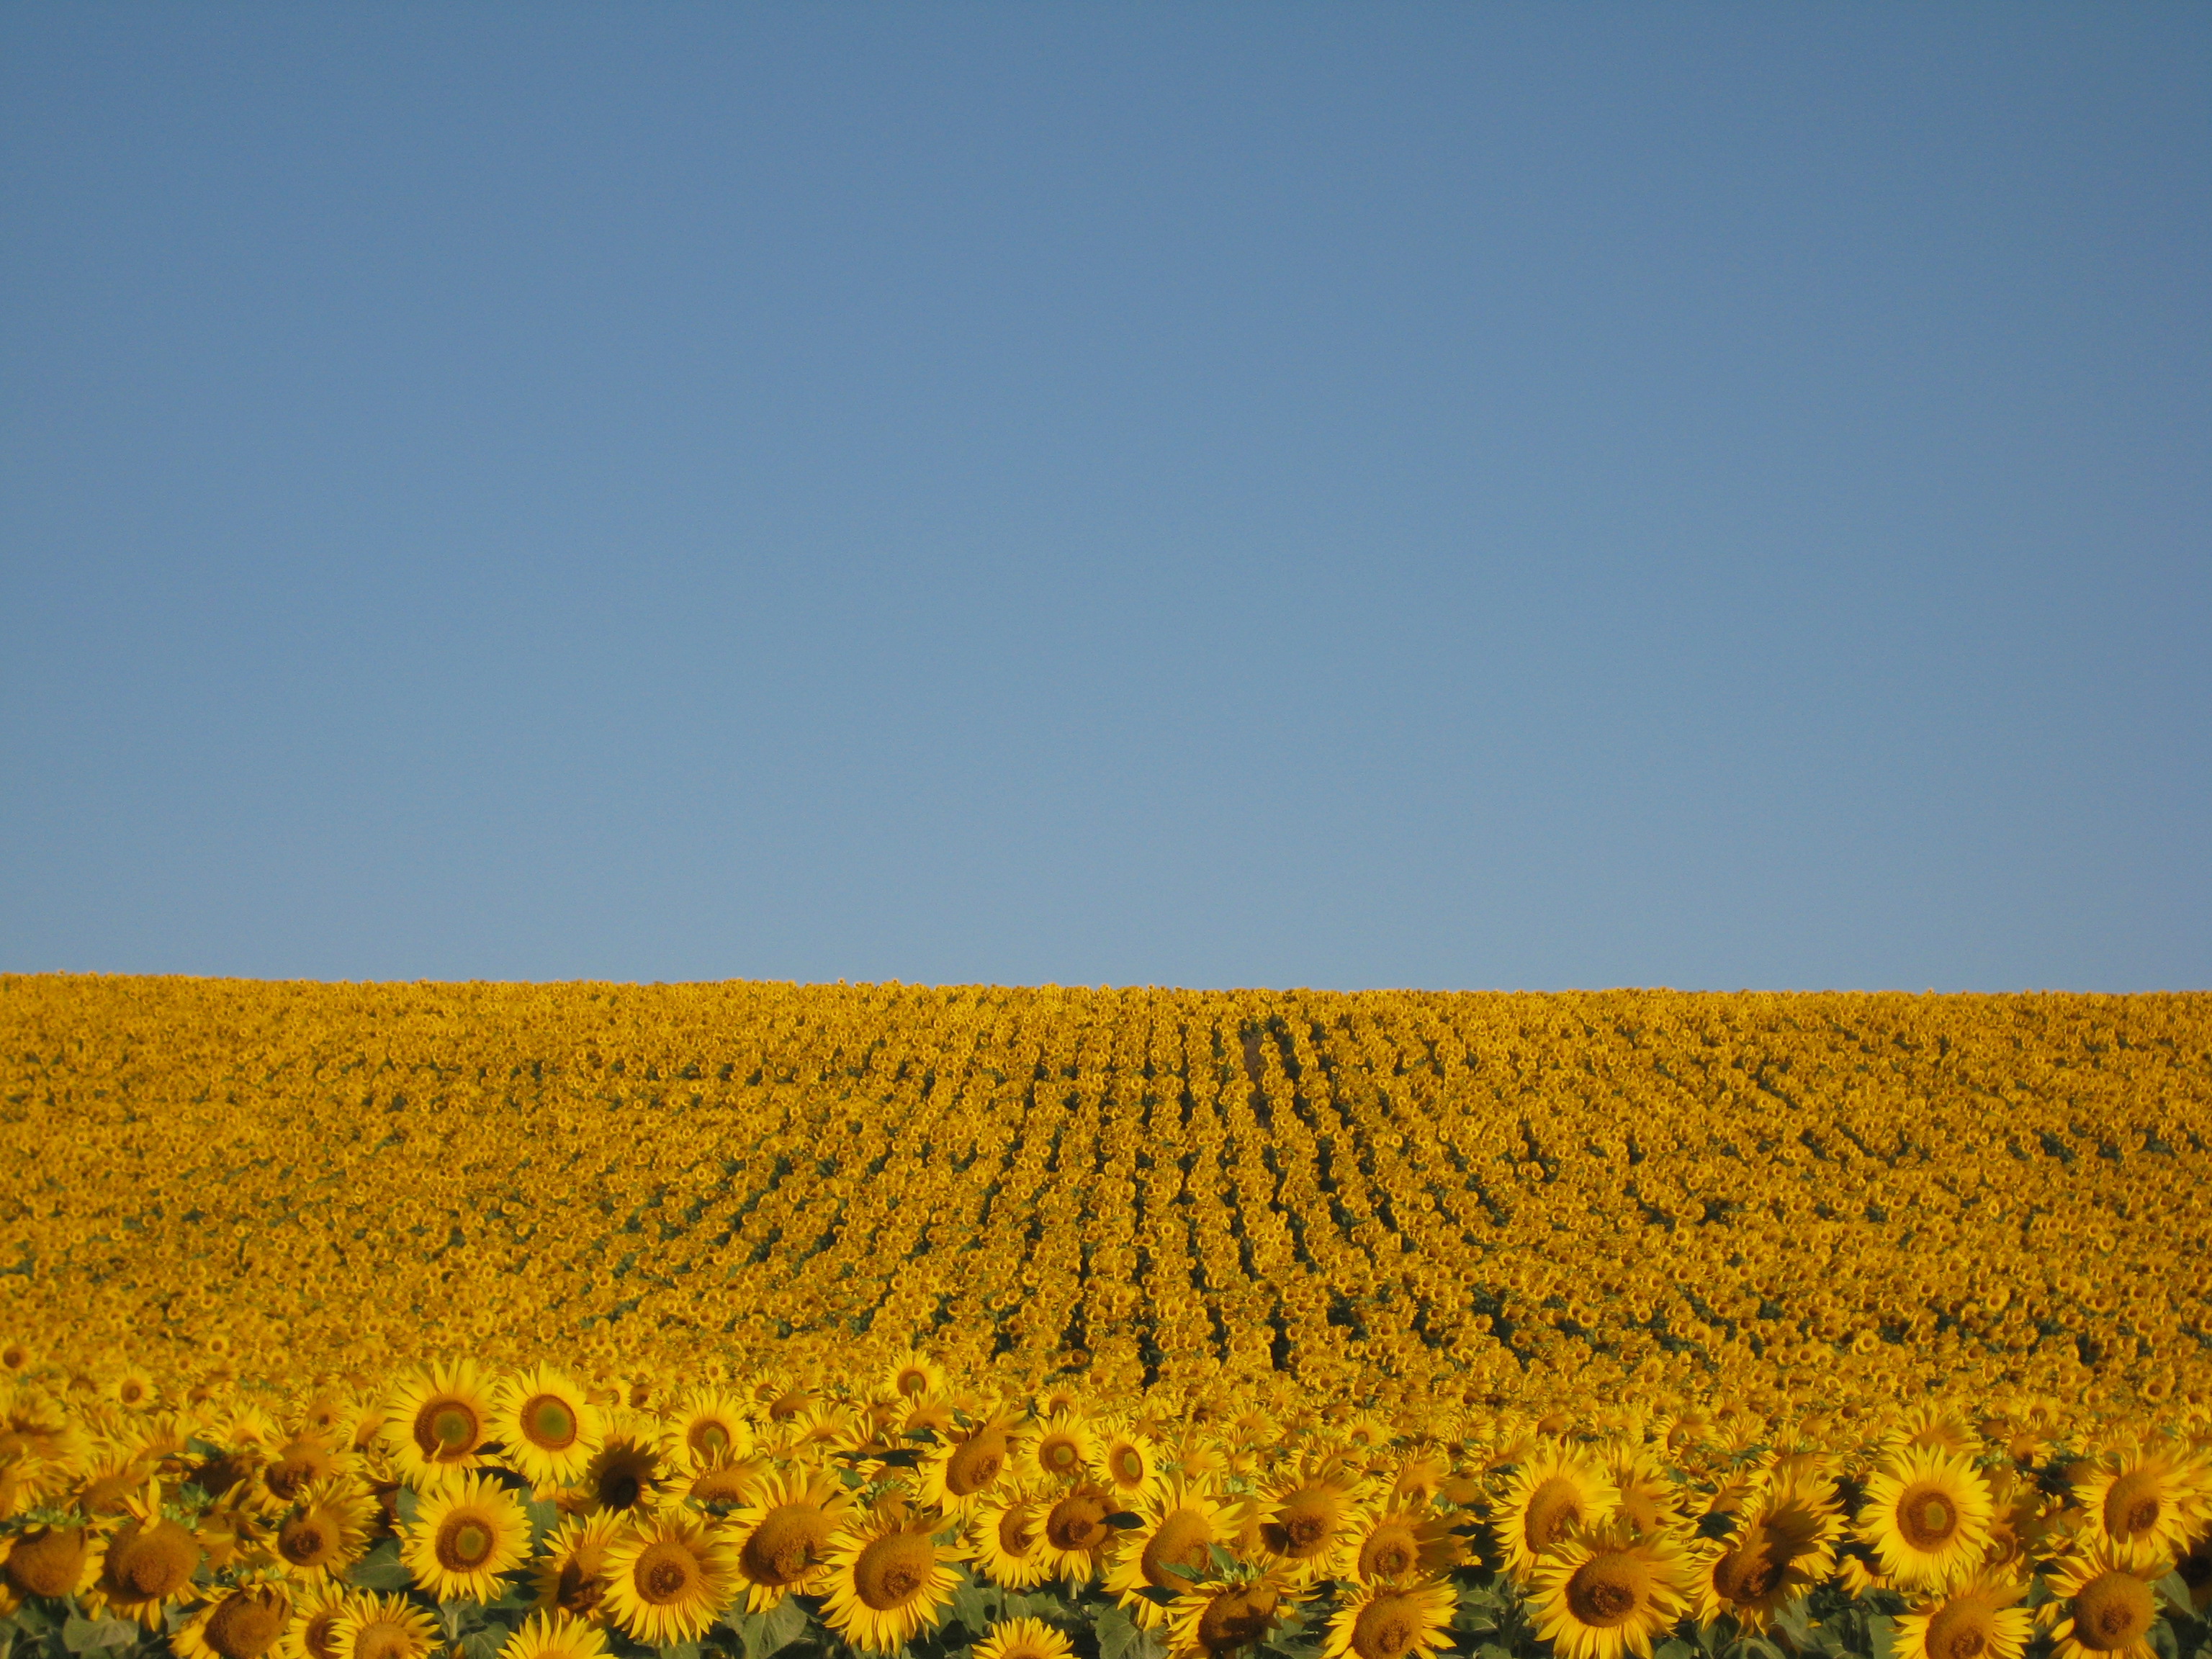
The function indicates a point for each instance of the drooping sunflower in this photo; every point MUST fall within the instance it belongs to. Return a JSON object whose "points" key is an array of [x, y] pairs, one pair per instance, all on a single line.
{"points": [[1006, 1534], [547, 1425], [1784, 1546], [327, 1531], [626, 1473], [1023, 1638], [311, 1631], [466, 1536], [570, 1576], [1395, 1545], [299, 1463], [784, 1537], [2102, 1605], [244, 1622], [669, 1578], [49, 1561], [1170, 1549], [1307, 1514], [1599, 1594], [1223, 1616], [1061, 1447], [1648, 1501], [1393, 1620], [1978, 1619], [1078, 1530], [1555, 1492], [889, 1580], [147, 1567], [724, 1486], [1926, 1517], [1130, 1462], [958, 1472], [437, 1422], [555, 1636], [2147, 1502], [372, 1626]]}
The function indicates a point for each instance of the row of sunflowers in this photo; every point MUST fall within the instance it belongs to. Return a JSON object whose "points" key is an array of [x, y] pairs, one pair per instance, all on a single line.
{"points": [[1796, 1201], [479, 1512]]}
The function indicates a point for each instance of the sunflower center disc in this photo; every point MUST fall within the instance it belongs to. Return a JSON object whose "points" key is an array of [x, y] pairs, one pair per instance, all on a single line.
{"points": [[244, 1627], [892, 1570], [1960, 1630], [1383, 1630], [552, 1426]]}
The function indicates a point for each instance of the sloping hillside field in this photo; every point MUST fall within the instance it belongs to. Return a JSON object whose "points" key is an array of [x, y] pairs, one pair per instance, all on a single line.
{"points": [[370, 1321]]}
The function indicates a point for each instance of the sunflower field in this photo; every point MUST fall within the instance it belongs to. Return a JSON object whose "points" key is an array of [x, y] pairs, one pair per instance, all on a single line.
{"points": [[731, 1322]]}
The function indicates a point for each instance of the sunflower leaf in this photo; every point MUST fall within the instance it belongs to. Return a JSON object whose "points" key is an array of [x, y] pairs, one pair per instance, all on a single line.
{"points": [[381, 1569], [2175, 1589], [1881, 1636], [407, 1503], [90, 1635], [1672, 1648], [780, 1626]]}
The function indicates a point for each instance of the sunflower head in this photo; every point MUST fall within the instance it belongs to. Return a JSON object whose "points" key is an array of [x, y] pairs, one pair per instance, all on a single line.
{"points": [[1927, 1517], [668, 1578], [1978, 1620], [548, 1424], [1610, 1591], [437, 1422], [1215, 1618], [465, 1537], [374, 1626], [2102, 1603], [1556, 1492], [784, 1535], [1394, 1621], [245, 1623], [555, 1636], [889, 1580], [1023, 1638]]}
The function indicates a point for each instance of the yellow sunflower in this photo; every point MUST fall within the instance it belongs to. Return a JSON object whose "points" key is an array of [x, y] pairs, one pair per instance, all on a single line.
{"points": [[244, 1622], [547, 1425], [1976, 1620], [49, 1561], [1648, 1501], [625, 1473], [1410, 1540], [1130, 1463], [466, 1536], [724, 1486], [555, 1636], [889, 1580], [570, 1576], [1783, 1548], [706, 1428], [1061, 1448], [1555, 1492], [437, 1422], [1078, 1531], [1926, 1517], [1306, 1518], [147, 1567], [2147, 1503], [371, 1626], [669, 1578], [2102, 1605], [1212, 1619], [784, 1537], [1393, 1620], [134, 1390], [299, 1463], [327, 1531], [914, 1376], [1170, 1549], [1005, 1535], [311, 1631], [1601, 1593], [959, 1471], [1023, 1638]]}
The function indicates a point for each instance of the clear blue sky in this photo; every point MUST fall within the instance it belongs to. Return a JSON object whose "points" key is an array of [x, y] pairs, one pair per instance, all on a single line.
{"points": [[1339, 495]]}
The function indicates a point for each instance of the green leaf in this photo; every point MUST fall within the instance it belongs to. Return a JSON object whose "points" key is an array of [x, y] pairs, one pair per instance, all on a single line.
{"points": [[1881, 1636], [1120, 1637], [1672, 1648], [2175, 1589], [408, 1503], [679, 1651], [483, 1643], [780, 1626], [1795, 1621], [381, 1569], [92, 1635]]}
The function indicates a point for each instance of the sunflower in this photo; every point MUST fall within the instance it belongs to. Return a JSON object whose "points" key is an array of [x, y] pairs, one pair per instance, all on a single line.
{"points": [[706, 1427], [134, 1390], [49, 1561], [466, 1536], [1391, 1621], [1554, 1493], [570, 1576], [311, 1633], [888, 1582], [1927, 1518], [724, 1486], [1078, 1530], [555, 1636], [1005, 1535], [960, 1470], [147, 1567], [437, 1422], [2147, 1503], [1170, 1549], [1130, 1463], [1976, 1620], [1783, 1548], [1061, 1448], [914, 1376], [1648, 1501], [2102, 1604], [243, 1624], [547, 1425], [1306, 1520], [327, 1531], [1023, 1638], [625, 1473], [299, 1463], [1603, 1592], [1211, 1619], [784, 1535], [669, 1578], [1393, 1545], [372, 1626]]}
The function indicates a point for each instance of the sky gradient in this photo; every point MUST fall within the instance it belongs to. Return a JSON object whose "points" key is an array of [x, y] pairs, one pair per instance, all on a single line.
{"points": [[1453, 496]]}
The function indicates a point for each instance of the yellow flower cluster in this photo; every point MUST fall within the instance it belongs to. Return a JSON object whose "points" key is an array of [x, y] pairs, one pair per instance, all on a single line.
{"points": [[479, 1512], [1786, 1201]]}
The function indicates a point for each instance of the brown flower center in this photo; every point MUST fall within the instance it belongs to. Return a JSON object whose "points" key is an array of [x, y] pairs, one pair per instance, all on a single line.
{"points": [[664, 1572], [549, 1422], [384, 1640], [1077, 1521], [307, 1541], [976, 1462], [245, 1626], [1386, 1628], [1179, 1540], [1391, 1552], [789, 1539], [1554, 1510], [1016, 1534], [1961, 1630], [2132, 1507], [1237, 1617], [150, 1563], [2112, 1611], [47, 1564], [1926, 1518], [446, 1429], [892, 1570], [464, 1542], [1607, 1589]]}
